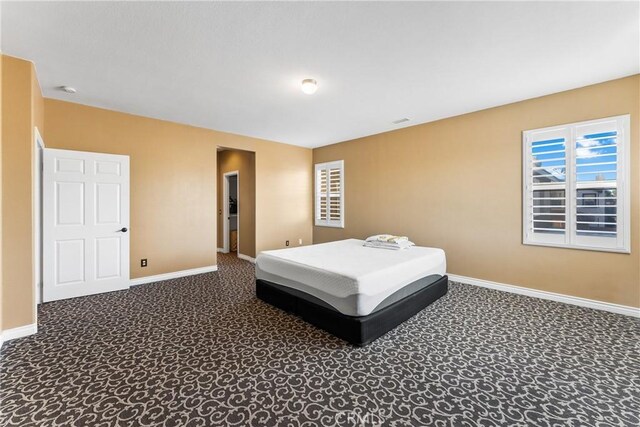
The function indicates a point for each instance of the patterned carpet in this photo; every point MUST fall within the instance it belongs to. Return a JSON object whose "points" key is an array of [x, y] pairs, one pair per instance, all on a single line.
{"points": [[203, 351]]}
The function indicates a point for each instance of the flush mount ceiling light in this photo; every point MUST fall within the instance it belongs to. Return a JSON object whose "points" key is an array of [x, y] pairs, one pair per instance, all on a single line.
{"points": [[309, 86], [67, 89]]}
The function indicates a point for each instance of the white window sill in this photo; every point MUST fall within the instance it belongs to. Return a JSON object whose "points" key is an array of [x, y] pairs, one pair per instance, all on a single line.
{"points": [[580, 247], [329, 225]]}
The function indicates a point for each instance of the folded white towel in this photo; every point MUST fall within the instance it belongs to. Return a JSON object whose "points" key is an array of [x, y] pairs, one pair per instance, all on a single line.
{"points": [[405, 244], [387, 238]]}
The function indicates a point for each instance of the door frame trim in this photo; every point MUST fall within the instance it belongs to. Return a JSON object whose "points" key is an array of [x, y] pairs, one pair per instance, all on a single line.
{"points": [[225, 209], [36, 208]]}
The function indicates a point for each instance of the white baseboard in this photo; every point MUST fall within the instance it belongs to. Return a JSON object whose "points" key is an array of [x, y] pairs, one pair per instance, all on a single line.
{"points": [[173, 275], [19, 332], [247, 258], [552, 296]]}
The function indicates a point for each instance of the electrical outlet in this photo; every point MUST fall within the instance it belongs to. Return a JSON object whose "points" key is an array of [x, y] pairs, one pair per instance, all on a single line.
{"points": [[300, 242], [286, 243], [143, 262]]}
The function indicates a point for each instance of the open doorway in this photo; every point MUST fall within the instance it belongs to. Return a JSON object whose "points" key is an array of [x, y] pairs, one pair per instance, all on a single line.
{"points": [[236, 203]]}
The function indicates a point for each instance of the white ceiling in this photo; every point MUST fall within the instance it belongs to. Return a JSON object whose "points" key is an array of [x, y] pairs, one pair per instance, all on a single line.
{"points": [[237, 66]]}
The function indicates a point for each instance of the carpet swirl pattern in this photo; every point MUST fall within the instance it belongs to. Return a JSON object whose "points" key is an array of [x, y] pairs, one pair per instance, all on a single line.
{"points": [[203, 351]]}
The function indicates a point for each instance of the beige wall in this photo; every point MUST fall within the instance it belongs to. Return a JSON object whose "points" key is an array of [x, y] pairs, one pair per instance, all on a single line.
{"points": [[456, 184], [22, 111], [173, 183], [244, 162], [280, 213], [173, 175]]}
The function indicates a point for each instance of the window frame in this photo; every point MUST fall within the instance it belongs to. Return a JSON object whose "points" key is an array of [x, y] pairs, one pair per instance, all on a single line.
{"points": [[570, 239], [337, 164]]}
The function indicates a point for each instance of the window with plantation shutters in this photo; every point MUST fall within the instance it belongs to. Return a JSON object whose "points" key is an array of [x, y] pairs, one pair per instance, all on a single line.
{"points": [[576, 181], [329, 194]]}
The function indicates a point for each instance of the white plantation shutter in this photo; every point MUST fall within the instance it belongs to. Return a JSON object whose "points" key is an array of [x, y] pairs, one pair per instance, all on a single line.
{"points": [[576, 185], [545, 185], [329, 194]]}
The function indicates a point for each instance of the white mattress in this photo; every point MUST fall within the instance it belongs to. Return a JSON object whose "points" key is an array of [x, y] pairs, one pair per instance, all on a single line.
{"points": [[346, 275]]}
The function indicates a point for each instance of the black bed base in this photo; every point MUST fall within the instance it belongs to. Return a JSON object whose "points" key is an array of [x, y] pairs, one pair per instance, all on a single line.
{"points": [[359, 330]]}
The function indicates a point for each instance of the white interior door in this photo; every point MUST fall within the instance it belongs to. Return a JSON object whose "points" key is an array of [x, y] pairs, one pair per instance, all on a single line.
{"points": [[85, 223]]}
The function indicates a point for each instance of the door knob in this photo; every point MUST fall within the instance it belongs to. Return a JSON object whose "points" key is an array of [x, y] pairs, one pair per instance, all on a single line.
{"points": [[124, 229]]}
